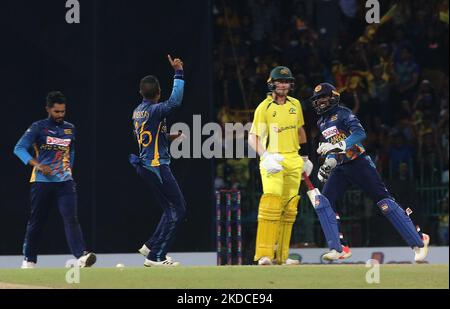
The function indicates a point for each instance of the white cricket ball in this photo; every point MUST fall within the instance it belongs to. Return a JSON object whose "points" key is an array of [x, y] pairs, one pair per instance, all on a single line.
{"points": [[120, 265]]}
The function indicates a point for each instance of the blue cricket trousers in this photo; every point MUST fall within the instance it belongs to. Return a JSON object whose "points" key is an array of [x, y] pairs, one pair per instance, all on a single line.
{"points": [[360, 172], [44, 196], [168, 196]]}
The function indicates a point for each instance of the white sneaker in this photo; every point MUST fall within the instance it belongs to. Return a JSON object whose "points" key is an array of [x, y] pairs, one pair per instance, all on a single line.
{"points": [[265, 261], [292, 262], [145, 251], [421, 253], [333, 255], [87, 260], [165, 263], [28, 265]]}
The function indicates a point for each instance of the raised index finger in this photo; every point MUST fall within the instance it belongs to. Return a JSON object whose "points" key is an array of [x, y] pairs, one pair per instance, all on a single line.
{"points": [[170, 59]]}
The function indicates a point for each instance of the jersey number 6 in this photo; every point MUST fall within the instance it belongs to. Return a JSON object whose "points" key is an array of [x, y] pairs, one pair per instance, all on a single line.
{"points": [[141, 134]]}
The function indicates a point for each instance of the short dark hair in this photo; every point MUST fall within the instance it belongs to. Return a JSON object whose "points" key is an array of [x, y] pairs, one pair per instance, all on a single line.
{"points": [[55, 97], [149, 87]]}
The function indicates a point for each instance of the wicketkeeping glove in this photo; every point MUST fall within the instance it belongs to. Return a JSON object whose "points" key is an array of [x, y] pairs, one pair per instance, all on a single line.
{"points": [[325, 169], [327, 148]]}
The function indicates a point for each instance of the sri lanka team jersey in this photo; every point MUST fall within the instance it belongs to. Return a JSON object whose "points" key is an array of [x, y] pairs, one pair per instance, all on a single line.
{"points": [[150, 126], [339, 124], [53, 145]]}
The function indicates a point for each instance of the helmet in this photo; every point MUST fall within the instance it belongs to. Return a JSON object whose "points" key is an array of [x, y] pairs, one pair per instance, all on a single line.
{"points": [[325, 90], [280, 73]]}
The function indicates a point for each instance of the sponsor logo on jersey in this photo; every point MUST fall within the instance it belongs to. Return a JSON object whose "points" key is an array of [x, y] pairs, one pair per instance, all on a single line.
{"points": [[279, 130], [330, 132], [58, 141]]}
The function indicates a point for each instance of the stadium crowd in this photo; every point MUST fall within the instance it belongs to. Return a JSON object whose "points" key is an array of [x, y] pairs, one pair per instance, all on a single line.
{"points": [[393, 75]]}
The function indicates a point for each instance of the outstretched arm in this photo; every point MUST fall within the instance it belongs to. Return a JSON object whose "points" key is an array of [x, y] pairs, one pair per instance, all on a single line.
{"points": [[177, 91]]}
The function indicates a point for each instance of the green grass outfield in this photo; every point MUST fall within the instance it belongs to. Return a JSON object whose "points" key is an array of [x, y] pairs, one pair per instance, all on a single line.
{"points": [[235, 277]]}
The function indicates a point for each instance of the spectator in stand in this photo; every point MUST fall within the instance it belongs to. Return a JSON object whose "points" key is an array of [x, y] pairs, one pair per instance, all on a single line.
{"points": [[399, 152], [406, 73], [380, 93], [425, 99]]}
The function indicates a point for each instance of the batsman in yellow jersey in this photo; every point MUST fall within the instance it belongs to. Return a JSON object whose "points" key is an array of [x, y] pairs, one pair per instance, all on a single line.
{"points": [[276, 135]]}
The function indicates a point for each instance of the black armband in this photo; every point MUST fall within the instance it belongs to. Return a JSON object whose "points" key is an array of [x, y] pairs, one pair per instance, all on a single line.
{"points": [[304, 149]]}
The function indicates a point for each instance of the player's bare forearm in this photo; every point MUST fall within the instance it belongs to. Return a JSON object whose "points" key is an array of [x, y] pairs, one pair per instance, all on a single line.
{"points": [[33, 162], [44, 169], [302, 136], [255, 142]]}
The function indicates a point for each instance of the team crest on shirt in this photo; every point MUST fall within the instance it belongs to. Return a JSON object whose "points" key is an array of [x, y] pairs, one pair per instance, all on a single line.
{"points": [[384, 208], [68, 131], [334, 117], [292, 111], [274, 114]]}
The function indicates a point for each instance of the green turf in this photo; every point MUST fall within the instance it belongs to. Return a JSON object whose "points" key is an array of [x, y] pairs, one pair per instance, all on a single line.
{"points": [[304, 276]]}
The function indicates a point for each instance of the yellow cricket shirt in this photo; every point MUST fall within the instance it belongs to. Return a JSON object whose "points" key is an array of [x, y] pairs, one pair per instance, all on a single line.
{"points": [[277, 125]]}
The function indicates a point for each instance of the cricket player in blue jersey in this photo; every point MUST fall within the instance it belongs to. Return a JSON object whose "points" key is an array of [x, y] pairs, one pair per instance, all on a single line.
{"points": [[152, 164], [346, 163], [52, 140]]}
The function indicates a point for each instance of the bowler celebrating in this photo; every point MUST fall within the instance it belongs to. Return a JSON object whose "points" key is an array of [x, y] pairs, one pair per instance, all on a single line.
{"points": [[347, 163], [152, 165], [51, 180]]}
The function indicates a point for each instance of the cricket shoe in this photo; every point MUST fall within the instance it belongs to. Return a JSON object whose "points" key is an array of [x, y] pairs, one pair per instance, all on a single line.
{"points": [[87, 260], [287, 262], [165, 263], [145, 251], [291, 262], [346, 253], [421, 253], [265, 261], [333, 255], [28, 265]]}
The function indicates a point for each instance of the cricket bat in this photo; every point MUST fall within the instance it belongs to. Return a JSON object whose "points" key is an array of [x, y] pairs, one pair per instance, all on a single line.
{"points": [[312, 191]]}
